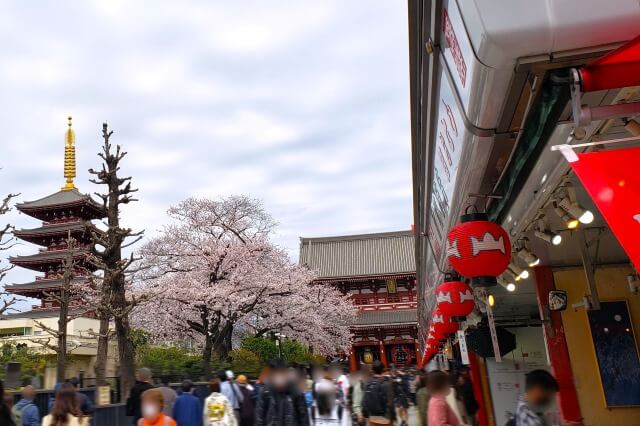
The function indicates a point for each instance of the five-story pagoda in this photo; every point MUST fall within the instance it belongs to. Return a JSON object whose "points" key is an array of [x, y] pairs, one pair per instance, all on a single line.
{"points": [[64, 214]]}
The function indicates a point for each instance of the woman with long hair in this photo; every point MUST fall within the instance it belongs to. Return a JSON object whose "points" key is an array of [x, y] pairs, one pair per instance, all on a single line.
{"points": [[6, 418], [66, 409]]}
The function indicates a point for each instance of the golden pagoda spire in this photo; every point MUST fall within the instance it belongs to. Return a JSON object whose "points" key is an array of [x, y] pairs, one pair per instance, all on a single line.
{"points": [[69, 158]]}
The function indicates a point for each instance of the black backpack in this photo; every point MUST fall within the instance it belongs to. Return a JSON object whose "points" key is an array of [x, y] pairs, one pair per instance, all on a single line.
{"points": [[374, 401]]}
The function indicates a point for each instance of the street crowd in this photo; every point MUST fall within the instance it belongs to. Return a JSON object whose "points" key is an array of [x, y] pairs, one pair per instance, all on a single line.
{"points": [[293, 396]]}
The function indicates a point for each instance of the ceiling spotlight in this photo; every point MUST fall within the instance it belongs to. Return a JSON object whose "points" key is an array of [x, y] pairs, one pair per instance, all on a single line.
{"points": [[506, 282], [521, 274], [550, 237], [530, 258], [569, 221], [491, 300], [583, 215]]}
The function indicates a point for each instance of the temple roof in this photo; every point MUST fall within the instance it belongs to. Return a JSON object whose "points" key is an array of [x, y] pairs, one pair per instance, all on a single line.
{"points": [[359, 255], [38, 285], [46, 257], [61, 199], [386, 317], [35, 234]]}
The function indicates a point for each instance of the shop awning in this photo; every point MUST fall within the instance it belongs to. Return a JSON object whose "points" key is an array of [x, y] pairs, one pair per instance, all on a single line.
{"points": [[612, 180], [619, 68]]}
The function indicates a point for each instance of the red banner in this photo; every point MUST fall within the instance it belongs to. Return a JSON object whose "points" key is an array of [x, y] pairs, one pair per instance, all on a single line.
{"points": [[613, 181]]}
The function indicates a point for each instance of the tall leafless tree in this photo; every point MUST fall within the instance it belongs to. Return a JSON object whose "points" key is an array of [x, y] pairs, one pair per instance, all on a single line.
{"points": [[66, 298], [6, 242], [114, 302]]}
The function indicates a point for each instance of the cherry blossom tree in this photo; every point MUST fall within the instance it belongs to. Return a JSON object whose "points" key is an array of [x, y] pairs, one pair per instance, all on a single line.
{"points": [[215, 269]]}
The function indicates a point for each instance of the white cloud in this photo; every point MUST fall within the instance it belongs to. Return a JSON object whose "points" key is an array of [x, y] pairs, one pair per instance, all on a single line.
{"points": [[303, 104]]}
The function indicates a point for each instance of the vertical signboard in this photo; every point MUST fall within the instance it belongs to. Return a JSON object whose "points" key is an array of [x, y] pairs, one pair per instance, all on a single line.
{"points": [[494, 334], [448, 143], [462, 343]]}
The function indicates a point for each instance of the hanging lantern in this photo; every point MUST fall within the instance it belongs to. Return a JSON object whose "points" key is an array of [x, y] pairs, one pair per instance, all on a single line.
{"points": [[478, 249], [455, 300], [443, 325]]}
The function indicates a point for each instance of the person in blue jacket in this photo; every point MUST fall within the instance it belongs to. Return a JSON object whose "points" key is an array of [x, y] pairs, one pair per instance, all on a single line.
{"points": [[187, 410], [25, 411]]}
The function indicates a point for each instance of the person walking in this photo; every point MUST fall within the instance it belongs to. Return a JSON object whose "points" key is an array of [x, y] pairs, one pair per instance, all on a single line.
{"points": [[377, 402], [401, 394], [358, 382], [134, 402], [86, 406], [327, 409], [187, 409], [218, 410], [230, 389], [422, 400], [281, 403], [540, 390], [6, 417], [25, 412], [439, 413], [152, 403], [464, 391], [248, 410], [169, 396], [66, 409]]}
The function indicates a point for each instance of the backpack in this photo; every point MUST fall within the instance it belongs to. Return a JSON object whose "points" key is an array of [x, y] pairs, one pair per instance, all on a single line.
{"points": [[374, 400], [17, 412]]}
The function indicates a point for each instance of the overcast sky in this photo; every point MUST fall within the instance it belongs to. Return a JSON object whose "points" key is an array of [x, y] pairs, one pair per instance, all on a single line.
{"points": [[303, 104]]}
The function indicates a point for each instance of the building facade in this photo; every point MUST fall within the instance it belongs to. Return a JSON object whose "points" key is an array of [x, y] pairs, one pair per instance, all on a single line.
{"points": [[491, 96], [378, 272]]}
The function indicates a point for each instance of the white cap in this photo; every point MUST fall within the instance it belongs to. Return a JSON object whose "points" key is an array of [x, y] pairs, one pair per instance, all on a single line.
{"points": [[229, 374]]}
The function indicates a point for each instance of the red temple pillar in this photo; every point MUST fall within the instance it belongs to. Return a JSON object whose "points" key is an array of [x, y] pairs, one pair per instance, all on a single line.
{"points": [[557, 346], [383, 354], [353, 361]]}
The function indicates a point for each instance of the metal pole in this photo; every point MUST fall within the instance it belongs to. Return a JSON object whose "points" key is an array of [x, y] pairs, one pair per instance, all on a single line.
{"points": [[588, 271]]}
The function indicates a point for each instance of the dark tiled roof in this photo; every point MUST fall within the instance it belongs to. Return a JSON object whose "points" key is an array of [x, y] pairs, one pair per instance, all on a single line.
{"points": [[359, 255], [47, 256], [60, 198], [53, 229], [37, 285], [37, 314], [396, 316]]}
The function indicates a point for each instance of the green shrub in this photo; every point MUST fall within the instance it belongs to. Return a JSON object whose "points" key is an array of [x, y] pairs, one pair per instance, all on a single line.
{"points": [[243, 361]]}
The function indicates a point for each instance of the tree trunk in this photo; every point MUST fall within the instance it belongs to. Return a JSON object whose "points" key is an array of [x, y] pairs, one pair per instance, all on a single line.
{"points": [[207, 353], [103, 336], [222, 342], [61, 353], [126, 349], [103, 350]]}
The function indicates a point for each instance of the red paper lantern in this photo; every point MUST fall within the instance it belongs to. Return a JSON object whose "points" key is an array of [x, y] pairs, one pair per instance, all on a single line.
{"points": [[478, 249], [443, 325], [455, 299]]}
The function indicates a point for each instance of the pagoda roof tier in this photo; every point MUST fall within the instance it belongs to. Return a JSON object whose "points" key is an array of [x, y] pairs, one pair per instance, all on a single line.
{"points": [[61, 201], [39, 286], [40, 261], [39, 235], [46, 313]]}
